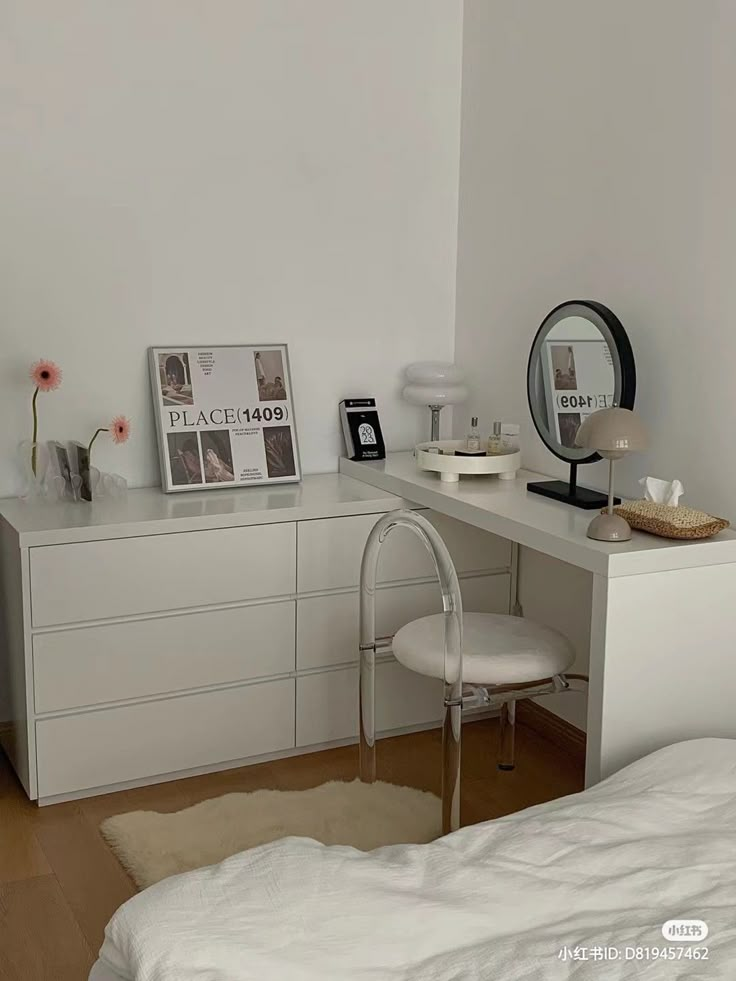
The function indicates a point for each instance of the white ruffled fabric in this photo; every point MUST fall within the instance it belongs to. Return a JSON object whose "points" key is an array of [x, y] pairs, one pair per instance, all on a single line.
{"points": [[501, 900]]}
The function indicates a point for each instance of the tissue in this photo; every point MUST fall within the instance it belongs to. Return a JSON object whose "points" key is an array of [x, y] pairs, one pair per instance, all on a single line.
{"points": [[662, 491]]}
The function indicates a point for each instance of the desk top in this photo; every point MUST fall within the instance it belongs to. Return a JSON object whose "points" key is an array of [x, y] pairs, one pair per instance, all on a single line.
{"points": [[148, 511], [505, 508]]}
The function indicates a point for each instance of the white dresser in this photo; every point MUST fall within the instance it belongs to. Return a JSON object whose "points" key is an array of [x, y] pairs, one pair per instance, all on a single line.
{"points": [[169, 635]]}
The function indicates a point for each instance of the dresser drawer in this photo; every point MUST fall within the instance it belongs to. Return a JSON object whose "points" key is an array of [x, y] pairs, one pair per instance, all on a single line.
{"points": [[327, 626], [128, 576], [327, 704], [117, 661], [330, 551], [133, 742]]}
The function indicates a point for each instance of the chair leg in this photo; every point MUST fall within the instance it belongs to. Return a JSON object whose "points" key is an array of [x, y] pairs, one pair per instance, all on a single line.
{"points": [[451, 743], [508, 733], [367, 710]]}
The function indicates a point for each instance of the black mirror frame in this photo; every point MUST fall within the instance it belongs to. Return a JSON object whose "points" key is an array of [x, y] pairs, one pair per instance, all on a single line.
{"points": [[627, 395]]}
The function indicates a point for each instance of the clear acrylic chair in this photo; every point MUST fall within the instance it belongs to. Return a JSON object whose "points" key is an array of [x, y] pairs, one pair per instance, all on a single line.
{"points": [[484, 659]]}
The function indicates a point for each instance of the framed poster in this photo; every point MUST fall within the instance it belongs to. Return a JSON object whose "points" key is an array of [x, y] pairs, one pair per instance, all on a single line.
{"points": [[224, 416], [578, 380]]}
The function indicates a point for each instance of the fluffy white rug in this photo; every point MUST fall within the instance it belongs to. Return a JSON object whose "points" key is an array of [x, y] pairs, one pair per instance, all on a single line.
{"points": [[152, 846]]}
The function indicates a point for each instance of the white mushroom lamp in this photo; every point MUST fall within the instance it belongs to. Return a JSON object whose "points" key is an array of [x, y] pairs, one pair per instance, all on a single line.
{"points": [[435, 384], [613, 433]]}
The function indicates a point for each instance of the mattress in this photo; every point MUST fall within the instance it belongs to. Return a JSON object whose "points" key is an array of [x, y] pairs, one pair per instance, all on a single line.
{"points": [[546, 894]]}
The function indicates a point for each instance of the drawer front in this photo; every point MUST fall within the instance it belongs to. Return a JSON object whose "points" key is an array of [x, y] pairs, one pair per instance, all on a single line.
{"points": [[327, 626], [330, 551], [128, 576], [79, 752], [117, 661], [327, 704]]}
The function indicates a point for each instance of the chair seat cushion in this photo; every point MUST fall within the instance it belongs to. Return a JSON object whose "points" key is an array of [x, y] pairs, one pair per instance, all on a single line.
{"points": [[497, 649]]}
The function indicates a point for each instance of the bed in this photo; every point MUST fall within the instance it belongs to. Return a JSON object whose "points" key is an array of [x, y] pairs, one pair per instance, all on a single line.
{"points": [[577, 888]]}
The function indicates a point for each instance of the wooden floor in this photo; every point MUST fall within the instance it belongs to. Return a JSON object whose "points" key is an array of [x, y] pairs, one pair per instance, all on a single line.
{"points": [[59, 883]]}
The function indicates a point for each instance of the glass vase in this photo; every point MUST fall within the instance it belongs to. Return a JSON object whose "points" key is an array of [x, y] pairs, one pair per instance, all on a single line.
{"points": [[33, 460]]}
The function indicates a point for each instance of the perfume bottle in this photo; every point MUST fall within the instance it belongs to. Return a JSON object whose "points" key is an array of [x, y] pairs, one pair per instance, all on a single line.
{"points": [[495, 440], [472, 443], [510, 436]]}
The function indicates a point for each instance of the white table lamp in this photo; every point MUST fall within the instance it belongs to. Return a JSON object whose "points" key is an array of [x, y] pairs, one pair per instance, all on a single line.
{"points": [[435, 384], [613, 433]]}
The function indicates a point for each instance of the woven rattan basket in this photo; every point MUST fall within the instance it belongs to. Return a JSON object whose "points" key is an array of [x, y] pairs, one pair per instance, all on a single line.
{"points": [[670, 522]]}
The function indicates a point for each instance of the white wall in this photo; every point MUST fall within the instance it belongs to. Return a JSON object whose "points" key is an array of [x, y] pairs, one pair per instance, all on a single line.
{"points": [[598, 156], [598, 160], [181, 172]]}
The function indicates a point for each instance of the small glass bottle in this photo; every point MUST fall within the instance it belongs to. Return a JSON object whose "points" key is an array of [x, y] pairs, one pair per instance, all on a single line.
{"points": [[472, 443], [495, 440]]}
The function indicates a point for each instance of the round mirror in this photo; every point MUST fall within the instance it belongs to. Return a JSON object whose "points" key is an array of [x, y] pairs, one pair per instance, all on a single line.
{"points": [[580, 361]]}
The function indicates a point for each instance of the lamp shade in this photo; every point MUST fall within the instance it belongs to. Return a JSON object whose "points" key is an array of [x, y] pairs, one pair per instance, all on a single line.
{"points": [[434, 383], [612, 432]]}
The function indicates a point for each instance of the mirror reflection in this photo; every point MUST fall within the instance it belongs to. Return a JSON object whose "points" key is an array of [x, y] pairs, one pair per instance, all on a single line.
{"points": [[577, 376]]}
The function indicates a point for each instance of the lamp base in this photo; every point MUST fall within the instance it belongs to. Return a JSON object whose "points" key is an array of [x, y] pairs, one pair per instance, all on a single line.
{"points": [[581, 497], [435, 428], [609, 528]]}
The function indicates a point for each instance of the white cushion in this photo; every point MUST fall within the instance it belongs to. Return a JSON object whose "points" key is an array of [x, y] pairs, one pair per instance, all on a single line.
{"points": [[497, 649]]}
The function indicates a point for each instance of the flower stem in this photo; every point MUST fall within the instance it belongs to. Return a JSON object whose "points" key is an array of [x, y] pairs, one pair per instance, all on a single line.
{"points": [[89, 448], [34, 448]]}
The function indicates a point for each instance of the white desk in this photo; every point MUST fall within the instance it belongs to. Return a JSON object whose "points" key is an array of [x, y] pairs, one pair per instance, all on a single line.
{"points": [[663, 613]]}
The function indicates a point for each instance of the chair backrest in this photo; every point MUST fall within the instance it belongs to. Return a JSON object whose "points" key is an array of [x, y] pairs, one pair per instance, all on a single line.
{"points": [[446, 573]]}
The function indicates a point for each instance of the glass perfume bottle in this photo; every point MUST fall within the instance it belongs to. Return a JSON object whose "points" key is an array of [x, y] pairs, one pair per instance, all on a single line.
{"points": [[495, 440], [472, 442]]}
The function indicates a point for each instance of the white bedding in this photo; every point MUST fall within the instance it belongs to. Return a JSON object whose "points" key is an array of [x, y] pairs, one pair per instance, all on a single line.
{"points": [[501, 900], [102, 972]]}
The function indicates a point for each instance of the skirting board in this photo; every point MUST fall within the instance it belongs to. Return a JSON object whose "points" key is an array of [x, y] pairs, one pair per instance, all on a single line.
{"points": [[551, 727]]}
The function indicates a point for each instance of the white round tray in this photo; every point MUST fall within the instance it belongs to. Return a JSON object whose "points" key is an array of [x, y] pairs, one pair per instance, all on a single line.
{"points": [[504, 465]]}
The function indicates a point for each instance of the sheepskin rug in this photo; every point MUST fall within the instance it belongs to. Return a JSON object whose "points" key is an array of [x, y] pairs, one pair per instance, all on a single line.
{"points": [[152, 846]]}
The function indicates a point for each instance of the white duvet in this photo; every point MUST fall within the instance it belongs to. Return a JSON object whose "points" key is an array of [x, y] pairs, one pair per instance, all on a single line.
{"points": [[531, 896]]}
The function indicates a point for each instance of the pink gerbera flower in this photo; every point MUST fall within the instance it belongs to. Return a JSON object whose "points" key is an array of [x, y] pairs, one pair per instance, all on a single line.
{"points": [[120, 429], [45, 375]]}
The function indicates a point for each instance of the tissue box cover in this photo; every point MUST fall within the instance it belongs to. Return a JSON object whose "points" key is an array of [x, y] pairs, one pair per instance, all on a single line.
{"points": [[670, 522]]}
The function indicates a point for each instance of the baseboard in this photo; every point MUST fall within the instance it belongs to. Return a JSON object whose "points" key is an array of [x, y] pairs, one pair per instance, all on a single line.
{"points": [[556, 730]]}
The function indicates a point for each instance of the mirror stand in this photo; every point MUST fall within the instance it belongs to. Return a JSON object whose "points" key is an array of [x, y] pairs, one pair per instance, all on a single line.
{"points": [[570, 493]]}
